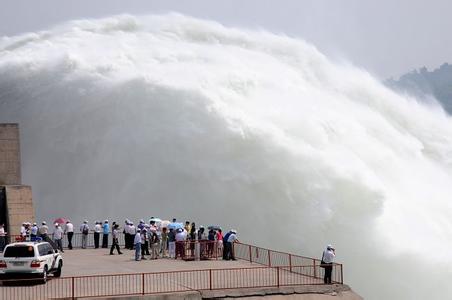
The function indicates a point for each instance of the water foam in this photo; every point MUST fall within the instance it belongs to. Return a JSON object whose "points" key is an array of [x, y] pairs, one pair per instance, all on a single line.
{"points": [[182, 117]]}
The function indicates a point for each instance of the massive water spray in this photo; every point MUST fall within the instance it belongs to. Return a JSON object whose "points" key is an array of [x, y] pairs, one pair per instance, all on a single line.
{"points": [[173, 116]]}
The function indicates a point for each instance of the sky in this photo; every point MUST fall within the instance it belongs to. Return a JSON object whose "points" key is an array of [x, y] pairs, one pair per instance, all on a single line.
{"points": [[385, 37]]}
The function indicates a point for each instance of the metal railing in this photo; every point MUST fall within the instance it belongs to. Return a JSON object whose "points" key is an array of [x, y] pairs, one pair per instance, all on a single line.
{"points": [[275, 269], [159, 282], [286, 261]]}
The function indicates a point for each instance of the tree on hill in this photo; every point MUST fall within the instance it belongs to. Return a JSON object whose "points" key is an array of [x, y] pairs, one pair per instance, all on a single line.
{"points": [[423, 84]]}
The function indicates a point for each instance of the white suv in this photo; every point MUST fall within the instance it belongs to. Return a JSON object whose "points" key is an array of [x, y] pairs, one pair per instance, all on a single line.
{"points": [[30, 259]]}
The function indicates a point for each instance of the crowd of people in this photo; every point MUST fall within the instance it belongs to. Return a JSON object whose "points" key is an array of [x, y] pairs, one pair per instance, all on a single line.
{"points": [[154, 239]]}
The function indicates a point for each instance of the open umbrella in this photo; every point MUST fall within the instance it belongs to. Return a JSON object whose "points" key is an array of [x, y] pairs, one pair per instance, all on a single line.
{"points": [[214, 227], [60, 221], [175, 225], [165, 224], [156, 220]]}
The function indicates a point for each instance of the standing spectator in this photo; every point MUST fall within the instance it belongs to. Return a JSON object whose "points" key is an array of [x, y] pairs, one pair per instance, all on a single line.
{"points": [[230, 238], [115, 243], [58, 237], [211, 242], [141, 224], [144, 242], [43, 230], [164, 242], [3, 234], [34, 232], [132, 231], [181, 235], [84, 229], [155, 243], [127, 234], [192, 239], [97, 230], [202, 240], [172, 243], [328, 259], [187, 226], [219, 238], [106, 231], [137, 243], [23, 232], [69, 230]]}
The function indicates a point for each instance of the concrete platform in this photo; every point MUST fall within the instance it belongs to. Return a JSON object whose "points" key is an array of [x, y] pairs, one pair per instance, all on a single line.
{"points": [[80, 262], [96, 273]]}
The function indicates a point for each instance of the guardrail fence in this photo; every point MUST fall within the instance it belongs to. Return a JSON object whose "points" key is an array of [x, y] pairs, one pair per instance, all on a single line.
{"points": [[275, 269]]}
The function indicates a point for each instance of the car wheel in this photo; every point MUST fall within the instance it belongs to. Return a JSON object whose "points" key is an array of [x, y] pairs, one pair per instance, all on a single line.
{"points": [[44, 276], [58, 271]]}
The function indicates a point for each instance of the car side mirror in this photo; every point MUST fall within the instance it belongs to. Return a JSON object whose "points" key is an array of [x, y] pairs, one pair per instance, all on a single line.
{"points": [[50, 252]]}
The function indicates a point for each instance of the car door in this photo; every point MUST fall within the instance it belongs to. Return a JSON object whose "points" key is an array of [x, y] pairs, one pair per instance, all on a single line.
{"points": [[48, 257]]}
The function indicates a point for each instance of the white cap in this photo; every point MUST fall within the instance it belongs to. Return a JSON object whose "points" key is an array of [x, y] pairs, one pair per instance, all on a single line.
{"points": [[56, 224], [86, 221], [44, 222], [234, 231]]}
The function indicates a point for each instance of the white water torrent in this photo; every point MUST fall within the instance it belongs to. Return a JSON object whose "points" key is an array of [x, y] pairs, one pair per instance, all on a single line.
{"points": [[174, 116]]}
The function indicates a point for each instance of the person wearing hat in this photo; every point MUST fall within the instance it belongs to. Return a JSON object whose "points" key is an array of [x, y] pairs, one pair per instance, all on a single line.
{"points": [[58, 237], [137, 244], [69, 230], [97, 230], [115, 235], [43, 230], [229, 239], [181, 236], [328, 258], [84, 229], [34, 232], [106, 231]]}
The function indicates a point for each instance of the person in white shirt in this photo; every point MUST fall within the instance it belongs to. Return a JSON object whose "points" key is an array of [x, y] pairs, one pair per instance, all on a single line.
{"points": [[181, 236], [69, 230], [58, 237], [23, 232], [137, 243], [231, 238], [43, 230], [97, 230], [34, 232], [115, 236], [84, 229], [328, 259]]}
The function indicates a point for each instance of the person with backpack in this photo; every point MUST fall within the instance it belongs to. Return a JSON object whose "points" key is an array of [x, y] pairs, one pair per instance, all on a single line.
{"points": [[84, 229]]}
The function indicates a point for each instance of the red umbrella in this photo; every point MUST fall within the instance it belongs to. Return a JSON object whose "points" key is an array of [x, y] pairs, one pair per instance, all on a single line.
{"points": [[60, 221]]}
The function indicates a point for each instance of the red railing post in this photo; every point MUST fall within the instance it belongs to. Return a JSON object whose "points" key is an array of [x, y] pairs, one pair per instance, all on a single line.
{"points": [[210, 279], [73, 288], [342, 274], [251, 255], [142, 283], [290, 263], [315, 270], [269, 259]]}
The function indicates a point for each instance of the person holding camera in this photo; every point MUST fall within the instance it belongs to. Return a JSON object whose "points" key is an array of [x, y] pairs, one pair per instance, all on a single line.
{"points": [[328, 259]]}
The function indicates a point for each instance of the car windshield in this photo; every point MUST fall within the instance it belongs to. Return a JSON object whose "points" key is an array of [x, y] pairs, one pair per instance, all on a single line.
{"points": [[19, 251]]}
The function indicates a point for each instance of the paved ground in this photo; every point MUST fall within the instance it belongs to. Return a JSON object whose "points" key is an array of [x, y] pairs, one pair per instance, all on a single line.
{"points": [[150, 276], [98, 261]]}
